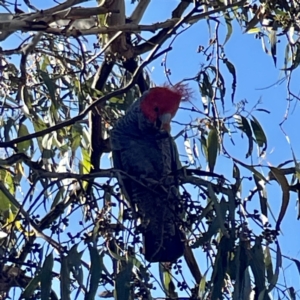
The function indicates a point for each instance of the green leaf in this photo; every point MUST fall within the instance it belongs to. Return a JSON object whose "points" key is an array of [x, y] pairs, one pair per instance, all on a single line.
{"points": [[85, 163], [220, 267], [212, 148], [65, 282], [205, 86], [232, 71], [243, 125], [201, 289], [115, 100], [46, 277], [31, 287], [123, 278], [23, 146], [8, 188], [51, 86], [253, 30], [167, 283], [192, 264], [287, 57], [258, 266], [259, 134], [297, 262], [76, 132], [214, 225], [263, 295], [273, 43], [213, 228], [8, 125], [296, 59], [222, 90], [74, 258], [268, 263], [228, 20], [7, 179], [58, 197], [39, 125], [95, 272], [297, 166], [4, 203], [261, 187], [275, 276], [240, 272], [220, 209], [45, 63], [263, 110], [236, 174], [292, 293], [281, 179], [203, 142], [19, 173]]}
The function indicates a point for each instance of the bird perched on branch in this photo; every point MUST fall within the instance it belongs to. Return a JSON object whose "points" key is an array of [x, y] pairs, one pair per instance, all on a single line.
{"points": [[146, 153]]}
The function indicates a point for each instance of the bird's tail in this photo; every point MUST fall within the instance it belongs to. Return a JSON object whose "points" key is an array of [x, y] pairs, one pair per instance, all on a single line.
{"points": [[163, 248]]}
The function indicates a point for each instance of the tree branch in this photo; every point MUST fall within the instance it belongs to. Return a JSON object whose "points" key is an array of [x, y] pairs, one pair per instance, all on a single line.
{"points": [[152, 56]]}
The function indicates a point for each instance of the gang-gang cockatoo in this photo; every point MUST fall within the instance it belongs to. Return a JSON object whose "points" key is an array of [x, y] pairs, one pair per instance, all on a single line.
{"points": [[144, 150]]}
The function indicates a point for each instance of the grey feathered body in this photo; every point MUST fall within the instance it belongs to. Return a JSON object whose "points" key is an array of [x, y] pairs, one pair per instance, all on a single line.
{"points": [[151, 157]]}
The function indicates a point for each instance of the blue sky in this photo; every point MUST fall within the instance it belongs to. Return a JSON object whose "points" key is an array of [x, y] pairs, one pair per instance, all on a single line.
{"points": [[255, 72]]}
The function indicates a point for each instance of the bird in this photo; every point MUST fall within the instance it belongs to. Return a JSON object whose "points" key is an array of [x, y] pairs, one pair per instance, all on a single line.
{"points": [[145, 152]]}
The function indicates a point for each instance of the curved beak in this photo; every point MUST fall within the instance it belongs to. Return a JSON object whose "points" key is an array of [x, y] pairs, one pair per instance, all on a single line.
{"points": [[165, 120]]}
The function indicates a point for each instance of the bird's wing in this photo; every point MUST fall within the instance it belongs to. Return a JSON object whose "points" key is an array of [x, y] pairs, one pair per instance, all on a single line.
{"points": [[144, 160], [124, 181]]}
